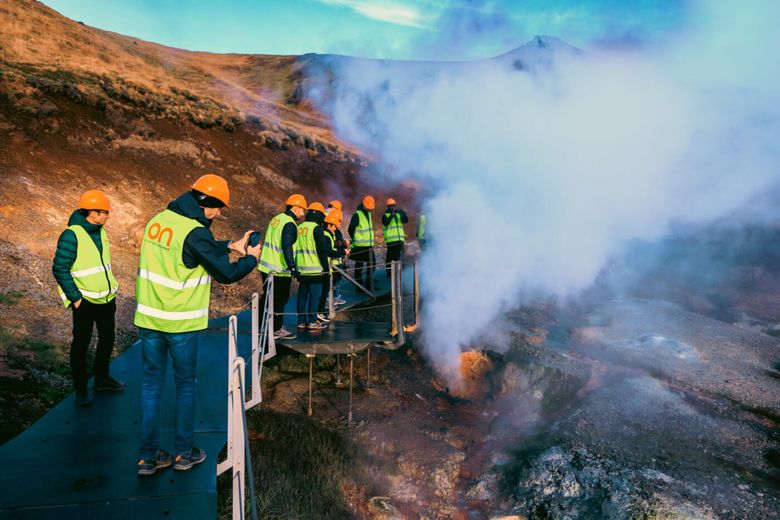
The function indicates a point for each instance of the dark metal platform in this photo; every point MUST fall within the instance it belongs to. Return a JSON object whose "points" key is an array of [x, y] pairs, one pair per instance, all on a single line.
{"points": [[81, 462]]}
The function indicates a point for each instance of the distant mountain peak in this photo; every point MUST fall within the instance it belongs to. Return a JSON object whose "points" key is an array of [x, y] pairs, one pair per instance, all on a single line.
{"points": [[538, 53]]}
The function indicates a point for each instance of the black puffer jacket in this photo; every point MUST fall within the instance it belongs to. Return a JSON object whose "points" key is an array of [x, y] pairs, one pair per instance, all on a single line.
{"points": [[200, 247], [67, 249]]}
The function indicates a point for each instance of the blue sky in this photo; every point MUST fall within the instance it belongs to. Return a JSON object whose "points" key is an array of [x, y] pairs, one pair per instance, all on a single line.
{"points": [[398, 29]]}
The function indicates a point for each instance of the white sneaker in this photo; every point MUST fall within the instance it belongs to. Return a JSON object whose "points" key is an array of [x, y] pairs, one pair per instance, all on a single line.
{"points": [[338, 300], [323, 318], [283, 334]]}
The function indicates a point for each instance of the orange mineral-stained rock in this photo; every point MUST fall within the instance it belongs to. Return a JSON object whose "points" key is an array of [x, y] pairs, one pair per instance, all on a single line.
{"points": [[474, 366]]}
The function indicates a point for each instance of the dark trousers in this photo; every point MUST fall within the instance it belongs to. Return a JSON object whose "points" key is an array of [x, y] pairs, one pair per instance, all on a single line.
{"points": [[309, 291], [281, 296], [84, 319], [364, 264], [395, 251]]}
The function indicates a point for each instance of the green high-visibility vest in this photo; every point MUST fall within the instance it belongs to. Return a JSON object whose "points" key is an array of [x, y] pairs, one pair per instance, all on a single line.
{"points": [[92, 271], [171, 296], [272, 257], [421, 227], [394, 231], [364, 232], [306, 250]]}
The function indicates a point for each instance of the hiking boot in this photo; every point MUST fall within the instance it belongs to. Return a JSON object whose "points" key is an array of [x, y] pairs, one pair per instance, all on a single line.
{"points": [[323, 318], [109, 385], [162, 460], [185, 462], [283, 334], [83, 400], [317, 326]]}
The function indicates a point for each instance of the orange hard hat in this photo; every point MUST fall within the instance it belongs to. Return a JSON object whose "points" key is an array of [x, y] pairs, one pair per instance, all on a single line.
{"points": [[334, 217], [390, 201], [94, 199], [296, 199], [336, 204], [213, 186], [368, 202], [317, 206]]}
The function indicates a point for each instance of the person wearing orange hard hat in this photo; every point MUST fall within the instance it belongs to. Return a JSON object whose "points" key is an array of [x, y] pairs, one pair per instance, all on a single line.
{"points": [[86, 283], [393, 221], [361, 230], [335, 250], [179, 258], [279, 257]]}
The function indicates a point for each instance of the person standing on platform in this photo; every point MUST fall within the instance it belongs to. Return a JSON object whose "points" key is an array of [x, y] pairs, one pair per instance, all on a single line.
{"points": [[86, 283], [393, 222], [421, 230], [361, 230], [308, 248], [278, 258], [333, 255], [179, 257]]}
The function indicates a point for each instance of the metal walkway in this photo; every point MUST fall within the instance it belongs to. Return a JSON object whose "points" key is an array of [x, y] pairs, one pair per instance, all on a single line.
{"points": [[81, 462]]}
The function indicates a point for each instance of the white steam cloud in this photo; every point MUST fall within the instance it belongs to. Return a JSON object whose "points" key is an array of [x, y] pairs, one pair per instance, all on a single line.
{"points": [[544, 173]]}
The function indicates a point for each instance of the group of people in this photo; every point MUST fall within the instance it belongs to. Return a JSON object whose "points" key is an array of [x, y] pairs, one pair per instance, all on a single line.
{"points": [[179, 257]]}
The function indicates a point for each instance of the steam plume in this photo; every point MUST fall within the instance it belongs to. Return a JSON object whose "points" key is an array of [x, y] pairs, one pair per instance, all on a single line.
{"points": [[549, 161]]}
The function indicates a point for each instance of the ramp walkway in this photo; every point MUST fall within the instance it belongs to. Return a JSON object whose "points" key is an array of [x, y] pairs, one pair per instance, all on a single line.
{"points": [[81, 462]]}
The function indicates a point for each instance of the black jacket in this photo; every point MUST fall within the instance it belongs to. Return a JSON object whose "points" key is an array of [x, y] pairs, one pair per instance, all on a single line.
{"points": [[354, 221], [67, 249], [200, 247], [388, 215]]}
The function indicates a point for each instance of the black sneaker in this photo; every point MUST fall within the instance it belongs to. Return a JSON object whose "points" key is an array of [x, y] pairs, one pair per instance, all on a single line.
{"points": [[185, 462], [83, 400], [109, 385], [162, 460]]}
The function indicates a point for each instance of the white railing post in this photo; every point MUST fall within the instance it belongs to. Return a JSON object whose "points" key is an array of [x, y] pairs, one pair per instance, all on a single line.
{"points": [[256, 395], [236, 436]]}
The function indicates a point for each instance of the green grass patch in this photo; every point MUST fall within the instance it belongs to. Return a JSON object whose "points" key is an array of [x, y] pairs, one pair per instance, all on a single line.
{"points": [[301, 470], [10, 298], [46, 356]]}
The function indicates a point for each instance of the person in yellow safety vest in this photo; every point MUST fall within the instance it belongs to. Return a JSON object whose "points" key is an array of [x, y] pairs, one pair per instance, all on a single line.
{"points": [[86, 283], [179, 257], [313, 253], [393, 222], [361, 230], [278, 258], [421, 231], [339, 244]]}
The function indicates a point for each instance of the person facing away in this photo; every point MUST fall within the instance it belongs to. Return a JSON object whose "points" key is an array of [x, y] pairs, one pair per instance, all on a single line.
{"points": [[393, 221], [86, 284], [179, 257], [361, 230], [309, 248], [278, 258], [421, 225]]}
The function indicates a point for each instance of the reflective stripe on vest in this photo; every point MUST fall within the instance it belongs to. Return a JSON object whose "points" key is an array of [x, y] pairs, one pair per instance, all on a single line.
{"points": [[272, 255], [91, 271], [364, 232], [421, 227], [171, 297], [306, 250], [394, 231]]}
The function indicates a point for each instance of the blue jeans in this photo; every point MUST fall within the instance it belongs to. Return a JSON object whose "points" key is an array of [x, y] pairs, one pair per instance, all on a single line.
{"points": [[183, 349], [309, 291]]}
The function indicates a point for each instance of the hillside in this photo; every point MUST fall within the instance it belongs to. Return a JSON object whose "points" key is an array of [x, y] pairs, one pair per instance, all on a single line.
{"points": [[83, 108]]}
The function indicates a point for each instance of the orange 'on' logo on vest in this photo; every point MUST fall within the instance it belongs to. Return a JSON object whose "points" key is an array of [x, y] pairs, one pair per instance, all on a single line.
{"points": [[156, 232]]}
